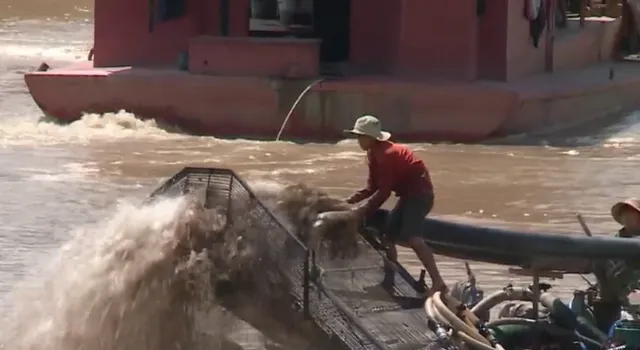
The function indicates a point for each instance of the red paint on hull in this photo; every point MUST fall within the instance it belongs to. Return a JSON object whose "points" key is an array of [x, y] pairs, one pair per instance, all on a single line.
{"points": [[412, 110]]}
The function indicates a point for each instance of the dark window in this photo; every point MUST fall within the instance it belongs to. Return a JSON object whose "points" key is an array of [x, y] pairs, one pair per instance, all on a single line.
{"points": [[170, 9]]}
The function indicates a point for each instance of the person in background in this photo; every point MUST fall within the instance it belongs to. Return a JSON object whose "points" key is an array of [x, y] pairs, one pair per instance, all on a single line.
{"points": [[615, 279], [394, 168], [627, 214]]}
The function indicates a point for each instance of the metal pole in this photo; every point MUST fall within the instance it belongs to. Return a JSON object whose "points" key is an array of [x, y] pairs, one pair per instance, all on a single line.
{"points": [[535, 290], [152, 15], [550, 36], [224, 17], [305, 287]]}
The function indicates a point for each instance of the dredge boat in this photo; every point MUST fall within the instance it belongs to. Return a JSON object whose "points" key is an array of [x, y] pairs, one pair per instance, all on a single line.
{"points": [[234, 68], [343, 301]]}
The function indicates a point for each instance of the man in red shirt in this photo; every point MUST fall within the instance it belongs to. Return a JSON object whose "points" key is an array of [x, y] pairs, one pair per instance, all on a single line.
{"points": [[394, 168]]}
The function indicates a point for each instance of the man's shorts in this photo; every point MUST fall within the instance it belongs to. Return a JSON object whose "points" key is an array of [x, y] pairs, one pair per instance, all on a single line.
{"points": [[406, 218]]}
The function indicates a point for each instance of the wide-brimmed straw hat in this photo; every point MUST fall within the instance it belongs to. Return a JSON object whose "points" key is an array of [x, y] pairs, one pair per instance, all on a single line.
{"points": [[370, 126], [620, 207]]}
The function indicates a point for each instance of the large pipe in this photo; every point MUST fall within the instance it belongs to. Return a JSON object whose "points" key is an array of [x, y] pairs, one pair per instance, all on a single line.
{"points": [[519, 248]]}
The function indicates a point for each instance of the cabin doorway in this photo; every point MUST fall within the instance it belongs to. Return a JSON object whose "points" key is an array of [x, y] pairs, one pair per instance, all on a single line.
{"points": [[628, 43], [332, 26]]}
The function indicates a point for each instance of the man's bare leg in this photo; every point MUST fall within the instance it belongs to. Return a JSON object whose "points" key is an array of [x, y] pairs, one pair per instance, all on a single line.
{"points": [[390, 272], [425, 254], [392, 253]]}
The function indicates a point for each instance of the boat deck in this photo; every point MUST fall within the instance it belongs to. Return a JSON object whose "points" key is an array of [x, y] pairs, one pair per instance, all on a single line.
{"points": [[397, 319], [562, 82]]}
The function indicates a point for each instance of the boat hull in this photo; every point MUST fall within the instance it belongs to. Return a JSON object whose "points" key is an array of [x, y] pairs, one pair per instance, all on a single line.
{"points": [[255, 107]]}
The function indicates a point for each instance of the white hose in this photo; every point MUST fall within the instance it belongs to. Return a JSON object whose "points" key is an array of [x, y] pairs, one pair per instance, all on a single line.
{"points": [[437, 310], [295, 104]]}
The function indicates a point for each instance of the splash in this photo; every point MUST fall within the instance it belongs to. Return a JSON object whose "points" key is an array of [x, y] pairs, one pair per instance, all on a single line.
{"points": [[152, 277], [90, 128], [127, 284], [299, 204]]}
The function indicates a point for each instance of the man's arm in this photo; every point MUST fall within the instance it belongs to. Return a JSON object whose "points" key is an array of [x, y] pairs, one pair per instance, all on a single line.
{"points": [[386, 180], [370, 188]]}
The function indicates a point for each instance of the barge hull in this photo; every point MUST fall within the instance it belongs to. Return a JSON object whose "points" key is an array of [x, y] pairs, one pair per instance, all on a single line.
{"points": [[420, 111]]}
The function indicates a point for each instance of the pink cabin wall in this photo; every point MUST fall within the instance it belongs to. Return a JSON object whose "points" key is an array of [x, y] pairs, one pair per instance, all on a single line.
{"points": [[373, 34], [279, 57], [416, 38], [437, 41], [122, 36], [492, 41], [423, 39], [572, 48], [522, 57]]}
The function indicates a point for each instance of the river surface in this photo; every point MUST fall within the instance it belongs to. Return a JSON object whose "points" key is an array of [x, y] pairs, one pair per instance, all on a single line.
{"points": [[56, 178]]}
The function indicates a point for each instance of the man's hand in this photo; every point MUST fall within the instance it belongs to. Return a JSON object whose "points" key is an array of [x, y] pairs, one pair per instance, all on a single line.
{"points": [[335, 216], [338, 231], [329, 218]]}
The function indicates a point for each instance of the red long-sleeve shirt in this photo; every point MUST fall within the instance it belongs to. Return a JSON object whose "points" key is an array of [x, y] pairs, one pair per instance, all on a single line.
{"points": [[392, 168]]}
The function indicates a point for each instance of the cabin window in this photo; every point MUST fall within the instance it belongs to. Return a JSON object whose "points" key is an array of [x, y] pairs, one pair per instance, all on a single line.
{"points": [[279, 17], [170, 9], [570, 15]]}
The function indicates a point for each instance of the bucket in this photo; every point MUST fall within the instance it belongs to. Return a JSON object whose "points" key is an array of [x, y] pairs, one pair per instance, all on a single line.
{"points": [[264, 9], [512, 336], [287, 9], [183, 61], [627, 332]]}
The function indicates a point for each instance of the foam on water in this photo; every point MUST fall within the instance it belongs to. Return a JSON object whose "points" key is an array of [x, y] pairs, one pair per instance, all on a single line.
{"points": [[42, 39], [70, 172], [623, 134], [91, 127], [59, 53]]}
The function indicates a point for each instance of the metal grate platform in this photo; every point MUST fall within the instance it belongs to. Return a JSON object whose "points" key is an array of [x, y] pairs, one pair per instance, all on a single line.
{"points": [[343, 297]]}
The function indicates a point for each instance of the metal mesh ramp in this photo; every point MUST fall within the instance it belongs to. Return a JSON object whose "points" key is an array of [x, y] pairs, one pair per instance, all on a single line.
{"points": [[343, 297]]}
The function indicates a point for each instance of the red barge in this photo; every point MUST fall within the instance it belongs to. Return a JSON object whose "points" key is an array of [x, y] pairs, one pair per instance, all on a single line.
{"points": [[429, 70]]}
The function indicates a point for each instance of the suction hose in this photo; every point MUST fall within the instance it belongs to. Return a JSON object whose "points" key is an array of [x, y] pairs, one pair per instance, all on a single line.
{"points": [[560, 312], [438, 311], [550, 328]]}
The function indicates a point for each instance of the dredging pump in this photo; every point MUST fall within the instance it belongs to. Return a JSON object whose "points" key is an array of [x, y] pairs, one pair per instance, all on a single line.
{"points": [[598, 317]]}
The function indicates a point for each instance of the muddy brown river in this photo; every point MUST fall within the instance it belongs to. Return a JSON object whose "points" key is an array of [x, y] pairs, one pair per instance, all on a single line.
{"points": [[56, 178]]}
